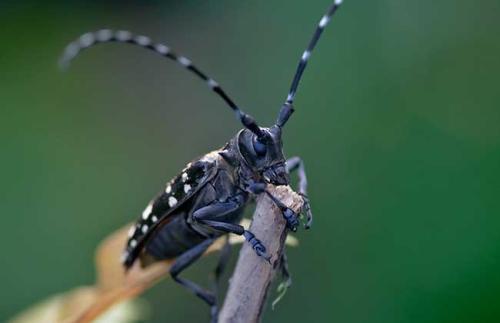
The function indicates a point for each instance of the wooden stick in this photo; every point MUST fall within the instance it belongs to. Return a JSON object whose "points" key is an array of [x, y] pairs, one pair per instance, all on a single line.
{"points": [[252, 276]]}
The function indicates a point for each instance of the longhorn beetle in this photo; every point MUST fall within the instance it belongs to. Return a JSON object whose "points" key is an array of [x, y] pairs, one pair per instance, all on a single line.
{"points": [[206, 200]]}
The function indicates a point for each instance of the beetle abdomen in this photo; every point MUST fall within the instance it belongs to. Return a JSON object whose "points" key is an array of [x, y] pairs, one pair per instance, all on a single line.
{"points": [[173, 239]]}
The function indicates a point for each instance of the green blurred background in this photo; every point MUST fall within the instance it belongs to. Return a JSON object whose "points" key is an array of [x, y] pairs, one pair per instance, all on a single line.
{"points": [[397, 120]]}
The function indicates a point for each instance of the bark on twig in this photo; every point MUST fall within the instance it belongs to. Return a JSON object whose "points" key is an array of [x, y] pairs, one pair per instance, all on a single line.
{"points": [[252, 276]]}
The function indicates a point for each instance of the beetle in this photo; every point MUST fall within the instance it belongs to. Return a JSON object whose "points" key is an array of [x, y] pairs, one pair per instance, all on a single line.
{"points": [[206, 200]]}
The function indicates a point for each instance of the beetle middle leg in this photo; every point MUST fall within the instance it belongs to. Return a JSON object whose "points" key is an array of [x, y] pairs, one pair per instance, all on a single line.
{"points": [[216, 216]]}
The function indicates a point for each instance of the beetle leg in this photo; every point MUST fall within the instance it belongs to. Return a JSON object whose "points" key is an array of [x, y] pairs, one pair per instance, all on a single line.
{"points": [[296, 163], [184, 261], [213, 216], [290, 216]]}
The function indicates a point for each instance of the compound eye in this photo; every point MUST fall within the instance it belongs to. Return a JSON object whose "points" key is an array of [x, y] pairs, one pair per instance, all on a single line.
{"points": [[259, 147]]}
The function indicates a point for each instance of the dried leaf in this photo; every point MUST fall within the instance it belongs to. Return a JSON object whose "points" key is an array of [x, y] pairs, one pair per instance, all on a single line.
{"points": [[113, 285], [67, 307]]}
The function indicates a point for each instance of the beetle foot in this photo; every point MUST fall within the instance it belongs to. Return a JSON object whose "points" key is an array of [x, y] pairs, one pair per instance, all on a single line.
{"points": [[257, 246], [289, 215], [292, 220]]}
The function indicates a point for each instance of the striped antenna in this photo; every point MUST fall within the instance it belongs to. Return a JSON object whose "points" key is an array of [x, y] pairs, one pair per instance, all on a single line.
{"points": [[307, 53], [121, 36]]}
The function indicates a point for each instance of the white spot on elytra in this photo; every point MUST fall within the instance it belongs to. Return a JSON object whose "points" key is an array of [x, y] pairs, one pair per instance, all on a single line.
{"points": [[131, 231], [168, 189], [306, 55], [172, 201], [324, 21], [154, 219], [144, 228], [184, 177], [187, 188], [133, 243], [147, 212], [184, 61]]}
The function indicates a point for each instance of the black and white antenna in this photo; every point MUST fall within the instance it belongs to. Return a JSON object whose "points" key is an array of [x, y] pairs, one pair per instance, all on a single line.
{"points": [[287, 108], [90, 39]]}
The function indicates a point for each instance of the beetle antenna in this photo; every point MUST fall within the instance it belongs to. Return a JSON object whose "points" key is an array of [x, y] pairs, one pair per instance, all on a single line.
{"points": [[287, 108], [90, 39]]}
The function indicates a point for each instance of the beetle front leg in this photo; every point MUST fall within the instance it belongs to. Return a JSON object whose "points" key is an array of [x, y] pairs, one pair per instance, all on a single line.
{"points": [[290, 216], [296, 163], [214, 216]]}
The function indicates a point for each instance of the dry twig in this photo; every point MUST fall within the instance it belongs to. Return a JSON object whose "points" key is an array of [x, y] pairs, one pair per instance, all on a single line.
{"points": [[253, 275], [86, 303]]}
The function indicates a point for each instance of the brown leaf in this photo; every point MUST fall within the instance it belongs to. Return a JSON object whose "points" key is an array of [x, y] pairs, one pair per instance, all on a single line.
{"points": [[113, 285]]}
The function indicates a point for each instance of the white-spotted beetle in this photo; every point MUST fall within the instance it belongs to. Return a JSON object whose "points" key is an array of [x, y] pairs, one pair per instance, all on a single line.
{"points": [[207, 199]]}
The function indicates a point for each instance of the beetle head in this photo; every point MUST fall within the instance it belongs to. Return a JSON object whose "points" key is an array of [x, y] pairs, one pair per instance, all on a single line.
{"points": [[264, 155]]}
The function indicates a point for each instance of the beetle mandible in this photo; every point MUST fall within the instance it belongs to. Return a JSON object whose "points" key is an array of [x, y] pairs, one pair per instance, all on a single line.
{"points": [[206, 200]]}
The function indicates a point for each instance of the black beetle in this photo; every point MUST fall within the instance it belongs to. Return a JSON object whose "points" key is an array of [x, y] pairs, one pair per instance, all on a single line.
{"points": [[206, 200]]}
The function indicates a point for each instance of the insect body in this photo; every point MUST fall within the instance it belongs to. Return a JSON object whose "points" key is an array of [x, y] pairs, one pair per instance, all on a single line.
{"points": [[206, 200]]}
